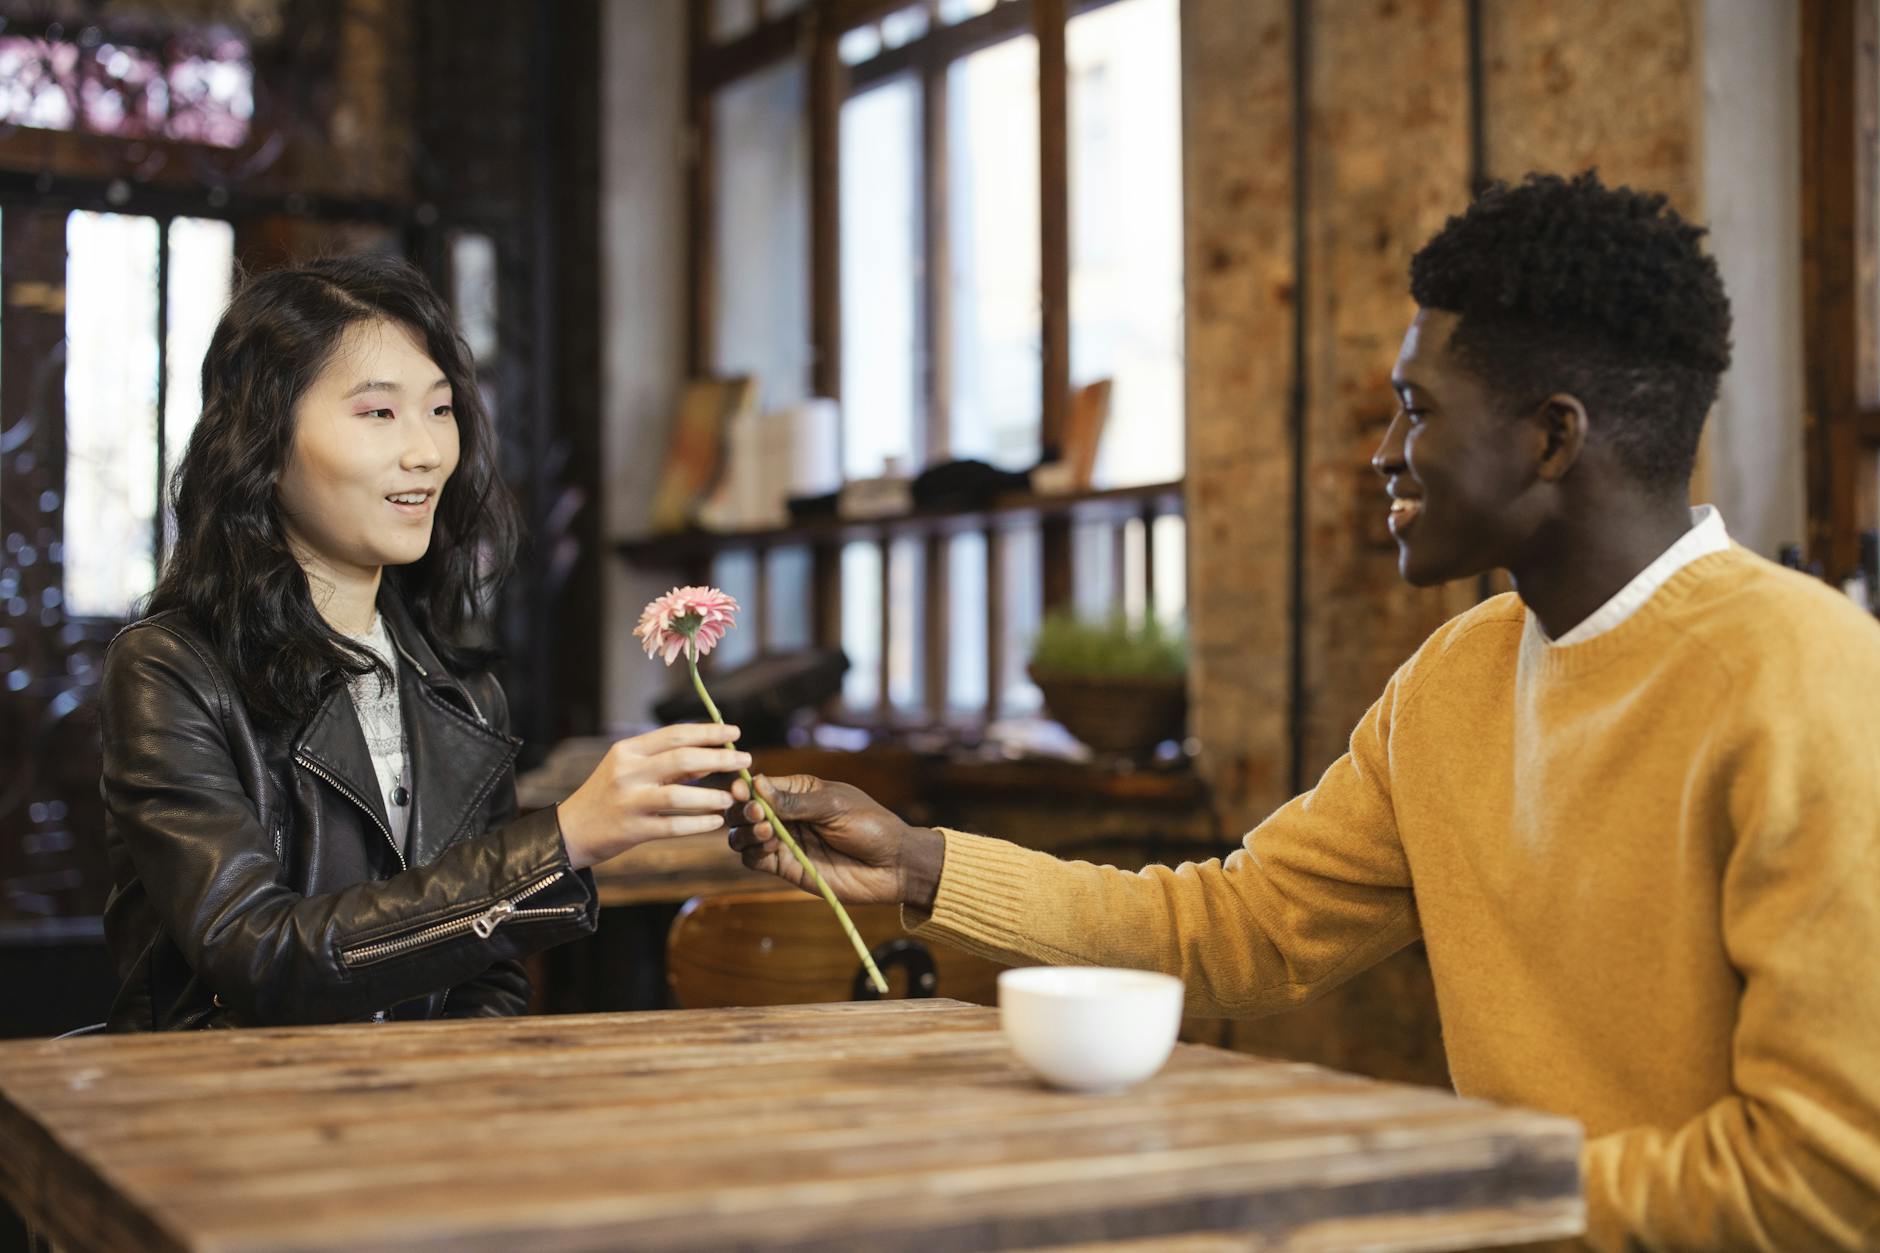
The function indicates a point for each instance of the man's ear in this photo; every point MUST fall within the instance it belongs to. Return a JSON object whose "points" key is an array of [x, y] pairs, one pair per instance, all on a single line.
{"points": [[1564, 428]]}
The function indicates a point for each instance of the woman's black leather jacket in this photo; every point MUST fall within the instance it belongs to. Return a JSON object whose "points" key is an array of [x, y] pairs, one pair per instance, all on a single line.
{"points": [[256, 881]]}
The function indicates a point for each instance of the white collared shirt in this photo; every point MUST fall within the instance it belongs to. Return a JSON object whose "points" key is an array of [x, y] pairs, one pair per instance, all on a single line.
{"points": [[1706, 536]]}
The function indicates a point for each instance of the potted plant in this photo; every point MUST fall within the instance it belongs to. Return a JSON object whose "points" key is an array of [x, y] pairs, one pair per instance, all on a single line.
{"points": [[1118, 686]]}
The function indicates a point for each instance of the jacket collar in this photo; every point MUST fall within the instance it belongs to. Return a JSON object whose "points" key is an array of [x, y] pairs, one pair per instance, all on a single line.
{"points": [[455, 757]]}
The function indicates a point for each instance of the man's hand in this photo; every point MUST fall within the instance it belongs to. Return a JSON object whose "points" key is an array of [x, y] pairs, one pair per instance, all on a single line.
{"points": [[866, 854]]}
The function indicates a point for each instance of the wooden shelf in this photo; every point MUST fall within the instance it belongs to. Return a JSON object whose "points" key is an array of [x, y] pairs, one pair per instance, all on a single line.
{"points": [[1174, 786], [1112, 505]]}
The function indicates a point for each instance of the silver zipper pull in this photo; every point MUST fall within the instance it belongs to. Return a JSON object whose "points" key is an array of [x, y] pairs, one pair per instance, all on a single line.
{"points": [[491, 918]]}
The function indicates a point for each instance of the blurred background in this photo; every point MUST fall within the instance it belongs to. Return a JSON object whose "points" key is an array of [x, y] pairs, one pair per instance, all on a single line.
{"points": [[915, 326]]}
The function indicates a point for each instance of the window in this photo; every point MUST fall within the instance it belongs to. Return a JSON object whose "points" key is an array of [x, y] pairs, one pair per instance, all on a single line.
{"points": [[1841, 296], [992, 186], [876, 195], [201, 271], [110, 413], [760, 299], [196, 88], [116, 450], [1126, 231], [861, 624], [881, 277]]}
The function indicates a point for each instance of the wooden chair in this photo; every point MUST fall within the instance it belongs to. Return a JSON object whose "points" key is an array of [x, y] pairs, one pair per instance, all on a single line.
{"points": [[786, 948]]}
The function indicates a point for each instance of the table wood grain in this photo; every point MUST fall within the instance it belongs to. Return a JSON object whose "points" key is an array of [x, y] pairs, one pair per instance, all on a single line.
{"points": [[896, 1125]]}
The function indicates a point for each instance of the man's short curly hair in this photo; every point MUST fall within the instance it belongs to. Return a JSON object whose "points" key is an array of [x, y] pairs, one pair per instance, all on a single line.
{"points": [[1567, 285]]}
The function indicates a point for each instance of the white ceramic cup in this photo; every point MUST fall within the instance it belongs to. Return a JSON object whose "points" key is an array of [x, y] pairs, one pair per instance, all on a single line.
{"points": [[1090, 1028]]}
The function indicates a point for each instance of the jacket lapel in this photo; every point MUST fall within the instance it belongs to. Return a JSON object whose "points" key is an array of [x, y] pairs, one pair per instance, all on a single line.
{"points": [[456, 759], [334, 747]]}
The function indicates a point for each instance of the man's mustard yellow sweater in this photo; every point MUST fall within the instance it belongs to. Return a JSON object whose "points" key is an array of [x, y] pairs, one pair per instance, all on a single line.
{"points": [[1647, 868]]}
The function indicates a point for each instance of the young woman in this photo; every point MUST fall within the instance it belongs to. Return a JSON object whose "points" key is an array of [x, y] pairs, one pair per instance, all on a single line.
{"points": [[308, 776]]}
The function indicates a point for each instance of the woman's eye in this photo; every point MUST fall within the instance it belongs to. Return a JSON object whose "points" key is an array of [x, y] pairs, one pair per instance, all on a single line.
{"points": [[379, 413], [443, 411]]}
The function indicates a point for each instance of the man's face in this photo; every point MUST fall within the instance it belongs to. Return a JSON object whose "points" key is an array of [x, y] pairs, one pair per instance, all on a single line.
{"points": [[1460, 471]]}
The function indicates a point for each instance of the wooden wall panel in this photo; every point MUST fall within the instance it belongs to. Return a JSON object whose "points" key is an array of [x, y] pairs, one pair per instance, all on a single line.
{"points": [[1568, 83], [1237, 191], [1389, 162], [1612, 83]]}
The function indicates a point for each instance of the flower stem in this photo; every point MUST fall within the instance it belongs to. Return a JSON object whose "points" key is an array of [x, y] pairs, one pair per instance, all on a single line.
{"points": [[789, 841]]}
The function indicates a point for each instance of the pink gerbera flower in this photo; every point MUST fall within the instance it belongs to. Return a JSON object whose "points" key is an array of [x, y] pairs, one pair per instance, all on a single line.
{"points": [[686, 616]]}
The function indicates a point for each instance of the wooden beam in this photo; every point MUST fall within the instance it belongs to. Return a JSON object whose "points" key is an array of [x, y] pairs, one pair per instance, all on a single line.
{"points": [[1048, 21], [1870, 428], [946, 44], [826, 592], [1838, 202], [995, 619], [826, 92], [937, 248], [772, 43], [761, 620], [700, 188]]}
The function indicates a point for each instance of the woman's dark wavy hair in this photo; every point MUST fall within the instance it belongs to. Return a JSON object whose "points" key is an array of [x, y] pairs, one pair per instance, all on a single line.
{"points": [[231, 569], [1567, 285]]}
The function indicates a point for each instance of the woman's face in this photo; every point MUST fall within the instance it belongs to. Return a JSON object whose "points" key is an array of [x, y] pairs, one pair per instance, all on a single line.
{"points": [[374, 440]]}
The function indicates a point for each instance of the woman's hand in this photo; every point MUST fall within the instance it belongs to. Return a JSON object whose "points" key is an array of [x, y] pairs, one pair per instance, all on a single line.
{"points": [[638, 792], [865, 854]]}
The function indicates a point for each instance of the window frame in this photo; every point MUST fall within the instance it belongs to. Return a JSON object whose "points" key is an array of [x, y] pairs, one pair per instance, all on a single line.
{"points": [[813, 32], [1840, 86]]}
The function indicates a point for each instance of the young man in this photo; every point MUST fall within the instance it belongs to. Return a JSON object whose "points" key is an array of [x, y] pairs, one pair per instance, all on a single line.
{"points": [[1633, 809]]}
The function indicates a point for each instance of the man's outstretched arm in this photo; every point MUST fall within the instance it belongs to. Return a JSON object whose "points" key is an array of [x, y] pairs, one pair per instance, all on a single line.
{"points": [[1316, 893]]}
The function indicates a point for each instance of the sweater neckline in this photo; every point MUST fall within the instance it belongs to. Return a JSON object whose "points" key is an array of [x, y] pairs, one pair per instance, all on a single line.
{"points": [[1641, 630]]}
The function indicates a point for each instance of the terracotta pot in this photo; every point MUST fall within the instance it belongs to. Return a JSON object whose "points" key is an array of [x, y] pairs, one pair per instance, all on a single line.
{"points": [[1117, 714]]}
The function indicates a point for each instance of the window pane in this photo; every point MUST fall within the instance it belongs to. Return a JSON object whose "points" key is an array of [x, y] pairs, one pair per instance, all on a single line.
{"points": [[966, 622], [904, 26], [1170, 537], [907, 679], [202, 266], [1094, 559], [731, 18], [992, 102], [110, 411], [735, 573], [1024, 606], [1126, 243], [881, 287], [212, 94], [861, 624], [473, 292], [789, 622], [33, 74], [959, 10], [859, 45], [760, 299]]}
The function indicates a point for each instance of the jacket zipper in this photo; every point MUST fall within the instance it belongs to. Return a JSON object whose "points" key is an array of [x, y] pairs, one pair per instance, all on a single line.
{"points": [[358, 800], [483, 922]]}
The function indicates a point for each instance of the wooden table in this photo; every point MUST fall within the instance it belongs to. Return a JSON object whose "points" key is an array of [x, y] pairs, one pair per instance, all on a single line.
{"points": [[901, 1125]]}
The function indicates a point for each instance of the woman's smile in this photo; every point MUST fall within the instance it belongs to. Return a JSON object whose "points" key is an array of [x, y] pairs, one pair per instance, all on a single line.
{"points": [[415, 505]]}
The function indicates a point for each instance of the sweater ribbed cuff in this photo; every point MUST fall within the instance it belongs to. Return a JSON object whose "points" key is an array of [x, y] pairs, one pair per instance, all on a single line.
{"points": [[982, 896]]}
